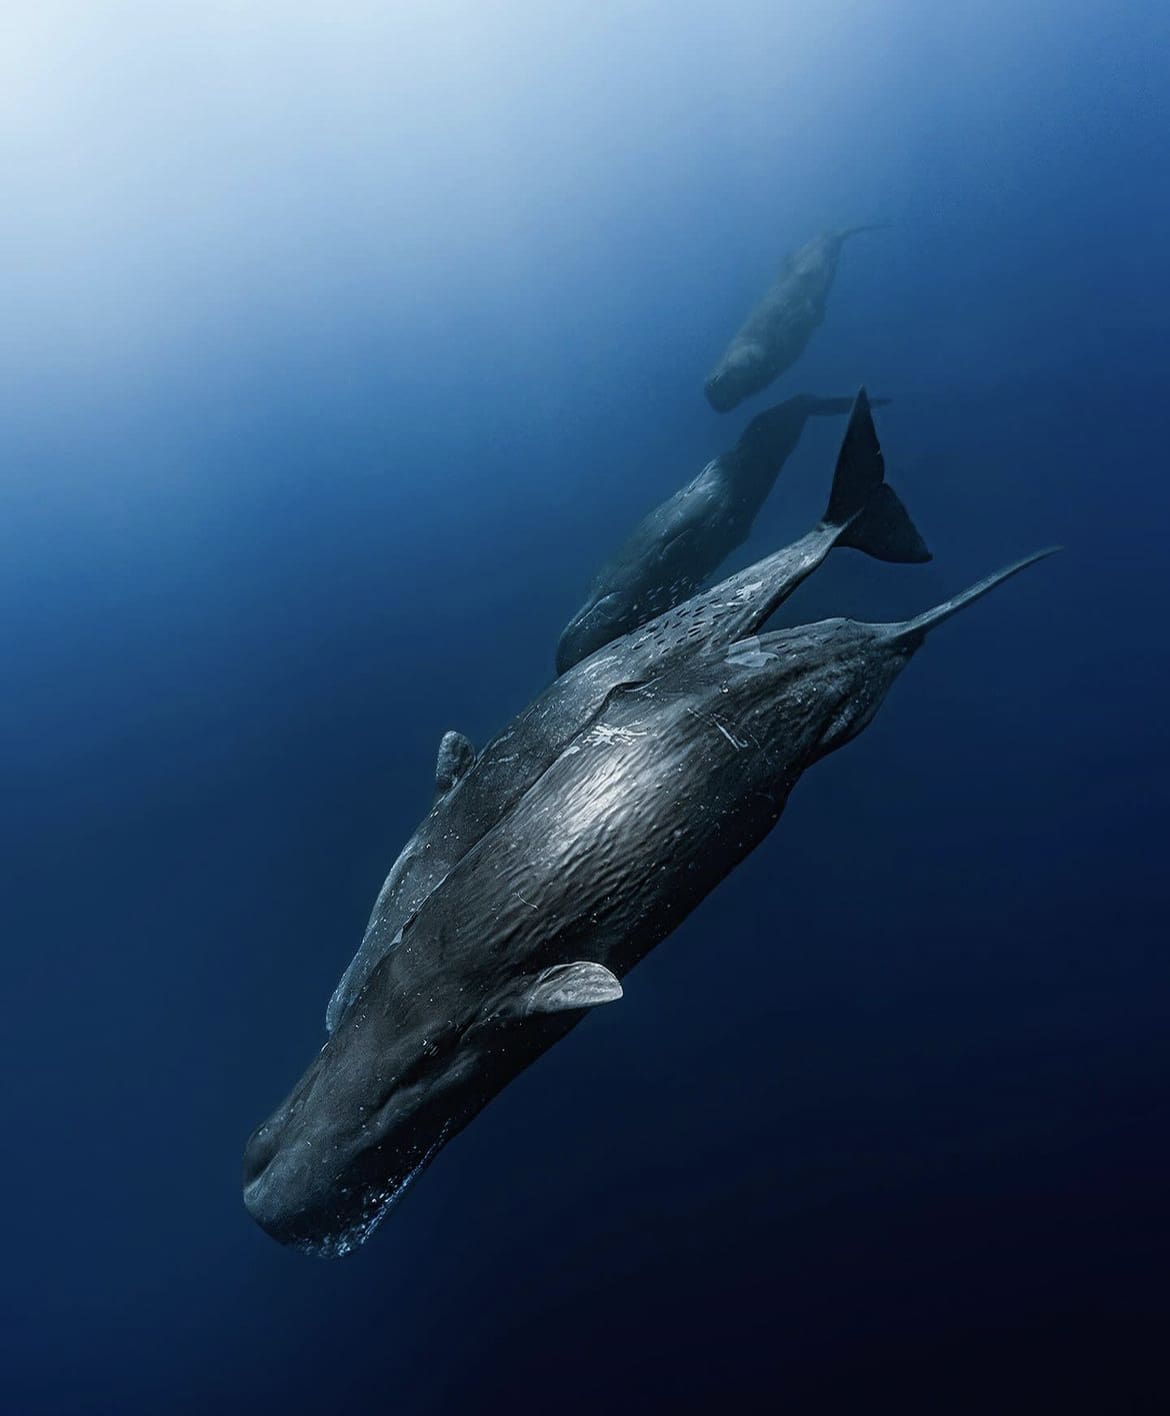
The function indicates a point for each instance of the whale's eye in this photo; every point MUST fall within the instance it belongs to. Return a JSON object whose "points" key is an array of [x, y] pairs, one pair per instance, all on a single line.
{"points": [[440, 1039], [436, 1043]]}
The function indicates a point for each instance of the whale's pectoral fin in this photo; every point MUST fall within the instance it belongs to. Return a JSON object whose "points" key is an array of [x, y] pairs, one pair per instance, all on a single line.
{"points": [[456, 758], [565, 988], [570, 986]]}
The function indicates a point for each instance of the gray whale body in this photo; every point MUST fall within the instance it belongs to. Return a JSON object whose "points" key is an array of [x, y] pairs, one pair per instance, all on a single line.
{"points": [[779, 328], [678, 777], [676, 547], [863, 512]]}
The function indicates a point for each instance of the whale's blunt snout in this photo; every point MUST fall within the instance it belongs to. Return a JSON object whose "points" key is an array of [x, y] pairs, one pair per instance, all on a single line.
{"points": [[583, 635], [723, 390], [258, 1190], [261, 1146], [567, 654], [256, 1193], [277, 1170], [268, 1191], [593, 627], [281, 1187], [719, 393]]}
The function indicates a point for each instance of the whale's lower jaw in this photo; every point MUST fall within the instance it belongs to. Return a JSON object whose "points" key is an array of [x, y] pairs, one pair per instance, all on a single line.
{"points": [[376, 1204]]}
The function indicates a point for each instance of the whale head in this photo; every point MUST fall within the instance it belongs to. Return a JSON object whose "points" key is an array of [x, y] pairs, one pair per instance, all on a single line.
{"points": [[420, 1051], [364, 1119], [735, 377], [597, 623]]}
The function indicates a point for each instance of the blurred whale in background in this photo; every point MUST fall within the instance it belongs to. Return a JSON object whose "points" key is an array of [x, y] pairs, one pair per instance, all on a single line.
{"points": [[864, 512], [776, 332], [633, 823], [686, 538]]}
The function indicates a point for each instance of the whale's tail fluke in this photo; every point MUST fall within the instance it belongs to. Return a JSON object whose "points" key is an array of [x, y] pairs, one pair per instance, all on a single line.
{"points": [[868, 510], [912, 632]]}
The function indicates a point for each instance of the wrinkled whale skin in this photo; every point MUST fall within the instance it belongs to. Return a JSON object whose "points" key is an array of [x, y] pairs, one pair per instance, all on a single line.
{"points": [[677, 779], [863, 512]]}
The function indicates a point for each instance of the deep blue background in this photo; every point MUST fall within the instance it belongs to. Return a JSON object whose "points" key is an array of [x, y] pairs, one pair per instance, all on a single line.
{"points": [[337, 354]]}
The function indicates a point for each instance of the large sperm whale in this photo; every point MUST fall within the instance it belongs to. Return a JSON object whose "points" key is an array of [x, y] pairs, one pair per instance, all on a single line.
{"points": [[685, 539], [776, 332], [863, 512], [638, 819]]}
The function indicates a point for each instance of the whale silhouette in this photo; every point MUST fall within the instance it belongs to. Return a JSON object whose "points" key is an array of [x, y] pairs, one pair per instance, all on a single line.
{"points": [[780, 326]]}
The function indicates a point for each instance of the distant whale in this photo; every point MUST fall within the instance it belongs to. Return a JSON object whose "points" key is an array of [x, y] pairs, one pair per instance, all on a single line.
{"points": [[776, 332], [863, 512], [648, 808], [685, 539]]}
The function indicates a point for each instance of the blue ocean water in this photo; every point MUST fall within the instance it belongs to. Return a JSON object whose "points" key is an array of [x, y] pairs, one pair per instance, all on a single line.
{"points": [[338, 350]]}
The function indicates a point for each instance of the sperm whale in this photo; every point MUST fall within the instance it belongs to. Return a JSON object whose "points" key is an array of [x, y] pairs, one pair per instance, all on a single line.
{"points": [[677, 546], [780, 326], [864, 512], [631, 825]]}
